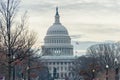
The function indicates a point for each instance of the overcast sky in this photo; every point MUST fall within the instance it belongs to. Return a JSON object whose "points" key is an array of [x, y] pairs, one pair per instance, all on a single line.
{"points": [[92, 20]]}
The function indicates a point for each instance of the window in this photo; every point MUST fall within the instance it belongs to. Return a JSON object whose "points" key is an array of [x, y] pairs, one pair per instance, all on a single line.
{"points": [[57, 63], [57, 75], [53, 63], [61, 63], [57, 68], [61, 68], [69, 74], [49, 63], [65, 68], [65, 63], [65, 75], [62, 75], [49, 68]]}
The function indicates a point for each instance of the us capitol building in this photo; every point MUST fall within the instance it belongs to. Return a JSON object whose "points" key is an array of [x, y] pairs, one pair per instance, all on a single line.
{"points": [[57, 51]]}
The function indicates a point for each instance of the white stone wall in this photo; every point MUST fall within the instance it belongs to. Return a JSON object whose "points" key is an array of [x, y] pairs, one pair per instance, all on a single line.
{"points": [[63, 68]]}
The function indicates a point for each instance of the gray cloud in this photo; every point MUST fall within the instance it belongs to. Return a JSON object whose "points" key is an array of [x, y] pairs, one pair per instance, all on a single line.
{"points": [[98, 28], [105, 31], [76, 11], [94, 6]]}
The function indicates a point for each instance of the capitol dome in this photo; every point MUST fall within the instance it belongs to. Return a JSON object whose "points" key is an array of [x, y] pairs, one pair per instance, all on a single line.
{"points": [[57, 40], [57, 29]]}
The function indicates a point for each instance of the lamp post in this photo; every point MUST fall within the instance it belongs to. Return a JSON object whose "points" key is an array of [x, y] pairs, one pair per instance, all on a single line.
{"points": [[28, 73], [107, 72], [93, 74], [28, 69], [13, 68], [116, 69]]}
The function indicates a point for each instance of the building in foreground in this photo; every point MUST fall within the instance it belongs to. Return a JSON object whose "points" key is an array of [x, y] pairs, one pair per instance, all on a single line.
{"points": [[58, 51]]}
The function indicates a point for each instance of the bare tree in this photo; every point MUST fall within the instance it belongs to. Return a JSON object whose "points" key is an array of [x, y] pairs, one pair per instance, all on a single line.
{"points": [[106, 53], [93, 64], [16, 40], [84, 66], [36, 68]]}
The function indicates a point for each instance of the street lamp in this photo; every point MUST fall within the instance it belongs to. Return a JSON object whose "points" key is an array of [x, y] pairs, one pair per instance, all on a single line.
{"points": [[116, 69], [107, 72], [93, 74], [28, 69], [13, 68]]}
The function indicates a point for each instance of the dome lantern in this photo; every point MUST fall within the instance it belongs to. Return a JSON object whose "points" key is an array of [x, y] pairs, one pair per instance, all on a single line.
{"points": [[57, 17]]}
